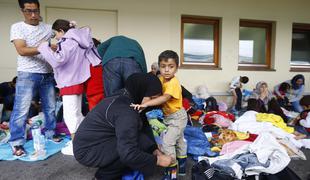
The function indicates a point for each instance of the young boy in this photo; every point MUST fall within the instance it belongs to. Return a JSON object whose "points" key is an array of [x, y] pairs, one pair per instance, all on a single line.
{"points": [[235, 88], [175, 116], [304, 118]]}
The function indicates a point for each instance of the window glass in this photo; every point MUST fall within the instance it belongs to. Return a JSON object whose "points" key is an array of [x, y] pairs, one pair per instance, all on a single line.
{"points": [[198, 43], [252, 45]]}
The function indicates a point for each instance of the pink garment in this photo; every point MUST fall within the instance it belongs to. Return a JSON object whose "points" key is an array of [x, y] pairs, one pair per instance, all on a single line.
{"points": [[233, 146], [221, 121], [222, 106]]}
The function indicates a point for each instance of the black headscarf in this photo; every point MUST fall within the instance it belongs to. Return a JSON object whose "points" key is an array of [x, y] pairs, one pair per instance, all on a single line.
{"points": [[295, 78], [140, 85]]}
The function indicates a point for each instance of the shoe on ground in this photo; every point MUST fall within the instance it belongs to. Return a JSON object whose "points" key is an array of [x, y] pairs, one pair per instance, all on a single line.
{"points": [[68, 149]]}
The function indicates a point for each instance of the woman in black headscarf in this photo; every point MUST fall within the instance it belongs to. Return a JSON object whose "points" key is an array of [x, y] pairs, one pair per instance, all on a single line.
{"points": [[116, 138]]}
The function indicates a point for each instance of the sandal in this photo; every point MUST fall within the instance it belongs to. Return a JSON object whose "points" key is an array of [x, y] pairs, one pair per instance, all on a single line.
{"points": [[19, 151], [57, 139]]}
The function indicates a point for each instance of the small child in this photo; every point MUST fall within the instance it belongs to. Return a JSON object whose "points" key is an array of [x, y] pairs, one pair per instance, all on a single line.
{"points": [[75, 64], [175, 117], [235, 88], [304, 118], [282, 99]]}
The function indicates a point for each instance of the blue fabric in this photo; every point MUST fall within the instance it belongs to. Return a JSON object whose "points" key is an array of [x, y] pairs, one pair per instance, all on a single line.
{"points": [[155, 114], [199, 103], [115, 72], [50, 146], [27, 86], [133, 175], [197, 142], [246, 93], [296, 106]]}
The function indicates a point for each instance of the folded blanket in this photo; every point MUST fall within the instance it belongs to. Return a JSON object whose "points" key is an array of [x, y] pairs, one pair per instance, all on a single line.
{"points": [[50, 146]]}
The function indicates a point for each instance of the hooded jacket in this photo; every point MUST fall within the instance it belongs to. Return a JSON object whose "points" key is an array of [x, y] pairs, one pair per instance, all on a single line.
{"points": [[72, 59], [114, 131]]}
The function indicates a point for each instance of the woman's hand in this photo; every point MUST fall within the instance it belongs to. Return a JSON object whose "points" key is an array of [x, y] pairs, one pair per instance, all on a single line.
{"points": [[53, 47], [164, 160], [157, 152]]}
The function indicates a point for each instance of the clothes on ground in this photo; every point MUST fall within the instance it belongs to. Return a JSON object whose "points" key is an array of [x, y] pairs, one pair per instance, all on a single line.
{"points": [[274, 120], [269, 157]]}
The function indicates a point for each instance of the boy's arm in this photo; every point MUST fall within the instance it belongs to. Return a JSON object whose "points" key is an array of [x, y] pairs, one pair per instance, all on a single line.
{"points": [[153, 102], [158, 101]]}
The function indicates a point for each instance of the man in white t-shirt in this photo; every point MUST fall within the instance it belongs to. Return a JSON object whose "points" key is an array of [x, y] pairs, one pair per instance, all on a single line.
{"points": [[34, 75]]}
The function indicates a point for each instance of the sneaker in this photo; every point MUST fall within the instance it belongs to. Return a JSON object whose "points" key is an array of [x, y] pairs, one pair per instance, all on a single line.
{"points": [[170, 173], [68, 149], [182, 166]]}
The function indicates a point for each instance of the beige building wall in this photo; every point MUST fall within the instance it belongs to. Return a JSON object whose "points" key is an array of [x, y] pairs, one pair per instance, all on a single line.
{"points": [[156, 25]]}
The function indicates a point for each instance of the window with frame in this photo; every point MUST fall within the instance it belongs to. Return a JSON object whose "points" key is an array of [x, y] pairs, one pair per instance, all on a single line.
{"points": [[300, 55], [254, 45], [199, 42]]}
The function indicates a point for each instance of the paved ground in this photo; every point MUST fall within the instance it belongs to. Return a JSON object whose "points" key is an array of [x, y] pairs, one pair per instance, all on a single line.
{"points": [[61, 167]]}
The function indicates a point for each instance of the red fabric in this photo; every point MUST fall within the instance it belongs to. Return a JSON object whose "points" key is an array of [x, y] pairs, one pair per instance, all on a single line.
{"points": [[251, 138], [197, 113], [94, 100], [94, 85], [71, 90], [208, 119], [186, 104]]}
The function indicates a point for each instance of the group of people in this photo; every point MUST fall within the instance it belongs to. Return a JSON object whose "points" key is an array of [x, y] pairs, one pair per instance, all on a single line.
{"points": [[112, 73], [115, 135], [286, 94]]}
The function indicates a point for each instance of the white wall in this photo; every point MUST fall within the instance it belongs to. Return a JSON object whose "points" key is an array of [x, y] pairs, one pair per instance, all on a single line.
{"points": [[156, 25]]}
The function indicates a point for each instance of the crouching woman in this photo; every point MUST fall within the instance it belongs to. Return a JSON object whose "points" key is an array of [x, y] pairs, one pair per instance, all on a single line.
{"points": [[116, 138]]}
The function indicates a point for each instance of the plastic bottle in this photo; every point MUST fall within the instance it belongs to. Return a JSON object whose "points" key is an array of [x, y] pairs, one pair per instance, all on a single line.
{"points": [[38, 140]]}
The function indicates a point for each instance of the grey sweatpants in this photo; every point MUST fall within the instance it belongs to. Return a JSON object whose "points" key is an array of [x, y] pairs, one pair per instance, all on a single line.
{"points": [[173, 138]]}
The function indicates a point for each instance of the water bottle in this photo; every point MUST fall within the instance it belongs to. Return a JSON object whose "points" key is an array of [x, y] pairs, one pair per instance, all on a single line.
{"points": [[38, 139]]}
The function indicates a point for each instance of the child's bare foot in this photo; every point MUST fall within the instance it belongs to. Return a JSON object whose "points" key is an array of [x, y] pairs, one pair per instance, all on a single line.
{"points": [[299, 135]]}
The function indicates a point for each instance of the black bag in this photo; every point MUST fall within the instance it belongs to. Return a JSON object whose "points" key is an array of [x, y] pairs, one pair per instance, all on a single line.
{"points": [[204, 171], [211, 104]]}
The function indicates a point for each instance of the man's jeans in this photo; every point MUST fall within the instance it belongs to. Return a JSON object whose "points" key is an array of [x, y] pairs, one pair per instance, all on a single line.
{"points": [[115, 73], [27, 85]]}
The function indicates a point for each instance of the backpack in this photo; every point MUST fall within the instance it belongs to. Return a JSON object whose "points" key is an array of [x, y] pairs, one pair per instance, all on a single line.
{"points": [[211, 104]]}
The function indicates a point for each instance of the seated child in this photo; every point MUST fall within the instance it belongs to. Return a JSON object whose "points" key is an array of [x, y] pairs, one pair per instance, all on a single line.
{"points": [[303, 121], [283, 101]]}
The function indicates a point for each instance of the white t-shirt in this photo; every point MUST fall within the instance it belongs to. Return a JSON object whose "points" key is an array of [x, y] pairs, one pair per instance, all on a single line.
{"points": [[235, 83], [33, 35]]}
